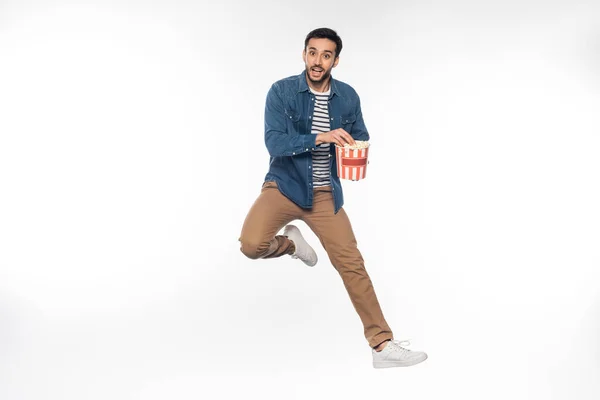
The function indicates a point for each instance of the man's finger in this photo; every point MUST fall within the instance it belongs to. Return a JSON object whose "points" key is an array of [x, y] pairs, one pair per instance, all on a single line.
{"points": [[346, 136]]}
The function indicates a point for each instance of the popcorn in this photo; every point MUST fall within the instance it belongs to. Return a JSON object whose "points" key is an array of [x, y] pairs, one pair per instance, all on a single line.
{"points": [[359, 144]]}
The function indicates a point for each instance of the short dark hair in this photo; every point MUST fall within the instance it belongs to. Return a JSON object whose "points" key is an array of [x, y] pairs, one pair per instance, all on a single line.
{"points": [[325, 33]]}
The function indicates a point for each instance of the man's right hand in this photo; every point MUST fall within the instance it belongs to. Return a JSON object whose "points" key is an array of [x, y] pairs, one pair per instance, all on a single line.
{"points": [[336, 136]]}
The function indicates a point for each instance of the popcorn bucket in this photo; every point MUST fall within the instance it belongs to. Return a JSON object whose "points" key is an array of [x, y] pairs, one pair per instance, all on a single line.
{"points": [[352, 162]]}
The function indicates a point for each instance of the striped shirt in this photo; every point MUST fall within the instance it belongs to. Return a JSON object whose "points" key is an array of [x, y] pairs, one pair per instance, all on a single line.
{"points": [[320, 124]]}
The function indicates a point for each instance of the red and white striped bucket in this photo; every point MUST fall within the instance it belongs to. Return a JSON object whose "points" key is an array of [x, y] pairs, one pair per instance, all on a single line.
{"points": [[352, 163]]}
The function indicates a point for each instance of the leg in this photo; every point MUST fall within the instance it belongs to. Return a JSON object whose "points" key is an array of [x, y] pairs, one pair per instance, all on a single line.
{"points": [[336, 235], [270, 212]]}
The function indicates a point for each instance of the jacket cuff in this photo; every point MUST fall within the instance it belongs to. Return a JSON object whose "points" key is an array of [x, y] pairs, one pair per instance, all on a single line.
{"points": [[310, 142]]}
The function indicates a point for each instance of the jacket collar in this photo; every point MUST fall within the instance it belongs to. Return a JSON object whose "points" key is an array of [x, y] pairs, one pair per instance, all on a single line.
{"points": [[303, 85]]}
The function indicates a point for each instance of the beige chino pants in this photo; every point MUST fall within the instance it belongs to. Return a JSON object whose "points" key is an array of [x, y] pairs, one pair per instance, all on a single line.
{"points": [[272, 211]]}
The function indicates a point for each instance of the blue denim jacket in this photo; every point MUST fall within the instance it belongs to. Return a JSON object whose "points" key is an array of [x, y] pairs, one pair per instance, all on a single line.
{"points": [[288, 122]]}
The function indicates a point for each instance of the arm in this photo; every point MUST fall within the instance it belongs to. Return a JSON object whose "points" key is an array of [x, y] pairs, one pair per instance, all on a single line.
{"points": [[340, 137], [278, 140], [336, 136]]}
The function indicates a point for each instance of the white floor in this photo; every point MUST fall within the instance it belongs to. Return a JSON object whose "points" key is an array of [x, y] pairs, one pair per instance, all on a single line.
{"points": [[267, 330]]}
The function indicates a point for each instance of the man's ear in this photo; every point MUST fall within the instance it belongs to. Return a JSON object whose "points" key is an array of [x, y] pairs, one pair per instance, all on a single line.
{"points": [[304, 56], [335, 62]]}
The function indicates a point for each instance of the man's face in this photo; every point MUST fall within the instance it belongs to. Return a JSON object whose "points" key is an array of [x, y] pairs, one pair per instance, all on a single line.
{"points": [[319, 58]]}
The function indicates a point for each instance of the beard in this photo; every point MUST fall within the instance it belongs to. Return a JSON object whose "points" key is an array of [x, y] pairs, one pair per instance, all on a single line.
{"points": [[325, 75]]}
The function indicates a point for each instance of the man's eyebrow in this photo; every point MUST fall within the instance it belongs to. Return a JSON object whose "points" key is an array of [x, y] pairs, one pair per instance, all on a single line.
{"points": [[326, 51]]}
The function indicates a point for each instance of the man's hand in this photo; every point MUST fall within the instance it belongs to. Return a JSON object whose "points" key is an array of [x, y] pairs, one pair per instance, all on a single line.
{"points": [[337, 136]]}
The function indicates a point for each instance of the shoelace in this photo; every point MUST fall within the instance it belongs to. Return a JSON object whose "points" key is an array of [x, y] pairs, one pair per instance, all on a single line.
{"points": [[397, 345]]}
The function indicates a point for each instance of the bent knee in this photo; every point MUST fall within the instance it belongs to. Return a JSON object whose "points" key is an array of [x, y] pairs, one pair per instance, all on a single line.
{"points": [[252, 250]]}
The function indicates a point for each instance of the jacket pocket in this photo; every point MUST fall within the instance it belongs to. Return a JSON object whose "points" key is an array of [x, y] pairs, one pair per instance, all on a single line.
{"points": [[347, 121], [292, 115], [293, 118]]}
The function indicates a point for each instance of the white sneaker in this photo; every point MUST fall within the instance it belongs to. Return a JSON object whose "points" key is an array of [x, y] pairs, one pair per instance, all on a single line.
{"points": [[393, 355], [303, 250]]}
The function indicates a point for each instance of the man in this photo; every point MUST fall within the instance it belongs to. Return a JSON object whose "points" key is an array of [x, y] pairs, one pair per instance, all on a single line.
{"points": [[305, 116]]}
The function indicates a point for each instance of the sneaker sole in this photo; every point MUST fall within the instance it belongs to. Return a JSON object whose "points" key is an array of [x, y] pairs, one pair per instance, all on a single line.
{"points": [[393, 364]]}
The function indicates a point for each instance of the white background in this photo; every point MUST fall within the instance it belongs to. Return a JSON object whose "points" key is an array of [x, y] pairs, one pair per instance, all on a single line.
{"points": [[131, 149]]}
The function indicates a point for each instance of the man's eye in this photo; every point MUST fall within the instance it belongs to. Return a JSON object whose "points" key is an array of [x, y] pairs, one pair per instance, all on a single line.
{"points": [[312, 53], [327, 56]]}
